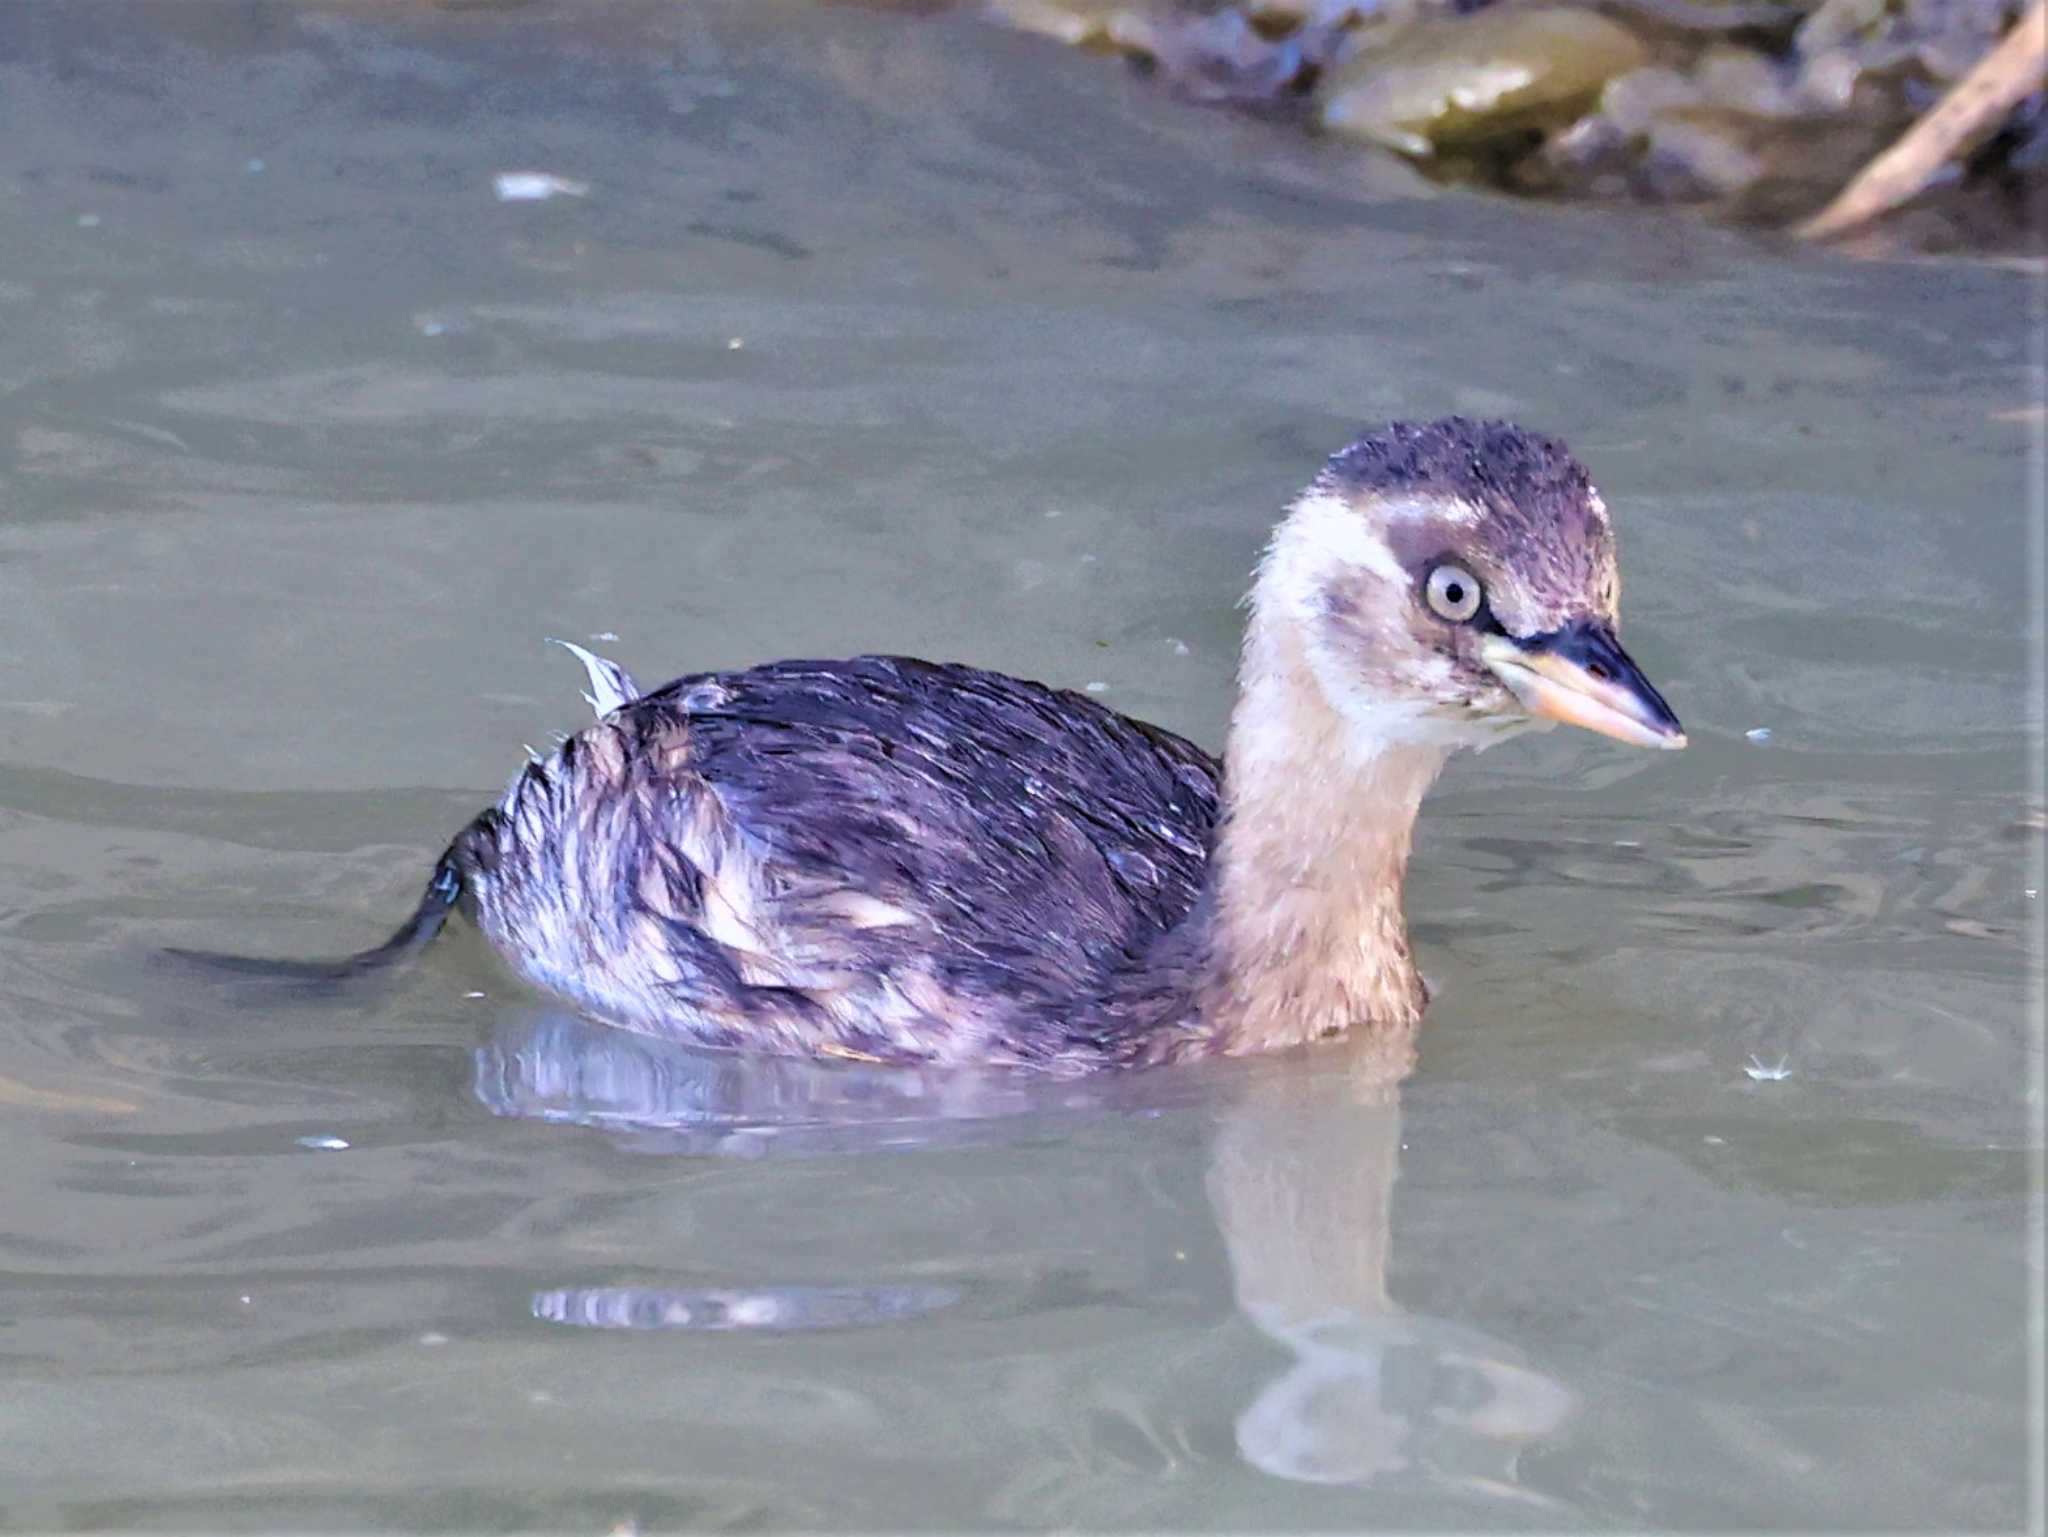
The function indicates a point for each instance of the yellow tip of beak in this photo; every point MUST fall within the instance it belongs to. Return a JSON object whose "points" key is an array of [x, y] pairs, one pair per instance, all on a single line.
{"points": [[1621, 705]]}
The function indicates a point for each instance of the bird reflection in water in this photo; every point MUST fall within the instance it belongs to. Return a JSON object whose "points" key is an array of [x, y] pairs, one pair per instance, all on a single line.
{"points": [[1300, 1179]]}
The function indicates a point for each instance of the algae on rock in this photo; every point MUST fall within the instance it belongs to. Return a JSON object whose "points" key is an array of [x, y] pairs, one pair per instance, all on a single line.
{"points": [[1446, 82]]}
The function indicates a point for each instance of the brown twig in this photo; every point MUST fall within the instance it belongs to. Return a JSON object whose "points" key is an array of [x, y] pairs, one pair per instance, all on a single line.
{"points": [[1971, 111]]}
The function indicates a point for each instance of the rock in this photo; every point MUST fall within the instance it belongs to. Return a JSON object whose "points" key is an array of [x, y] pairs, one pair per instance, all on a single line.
{"points": [[1441, 83], [1700, 154], [1840, 22], [1079, 23], [1940, 38], [1746, 81], [1827, 82], [1227, 57], [1633, 101], [1757, 109]]}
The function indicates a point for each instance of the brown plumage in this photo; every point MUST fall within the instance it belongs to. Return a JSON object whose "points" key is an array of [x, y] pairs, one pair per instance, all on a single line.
{"points": [[904, 861]]}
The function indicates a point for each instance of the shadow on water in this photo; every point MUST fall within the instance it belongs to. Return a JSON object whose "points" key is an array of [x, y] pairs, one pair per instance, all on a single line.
{"points": [[1300, 1181]]}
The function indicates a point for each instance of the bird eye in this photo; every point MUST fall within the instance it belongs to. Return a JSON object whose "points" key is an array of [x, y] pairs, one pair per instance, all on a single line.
{"points": [[1453, 593]]}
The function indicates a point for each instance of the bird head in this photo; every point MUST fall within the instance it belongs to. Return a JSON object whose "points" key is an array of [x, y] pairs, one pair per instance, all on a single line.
{"points": [[1455, 583]]}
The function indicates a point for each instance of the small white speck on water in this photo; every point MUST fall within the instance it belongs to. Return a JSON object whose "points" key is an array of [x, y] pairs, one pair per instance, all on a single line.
{"points": [[1627, 843], [253, 167], [324, 1144], [245, 1299], [535, 186], [540, 1396], [432, 327], [1180, 1254], [2031, 894], [1098, 687], [606, 635], [432, 1339], [88, 221], [1087, 560], [1055, 512], [1715, 1141], [472, 994], [1758, 734], [1771, 1072], [1180, 647], [735, 343]]}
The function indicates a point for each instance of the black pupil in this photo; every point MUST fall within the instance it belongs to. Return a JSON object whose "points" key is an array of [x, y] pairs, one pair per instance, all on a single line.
{"points": [[1454, 594]]}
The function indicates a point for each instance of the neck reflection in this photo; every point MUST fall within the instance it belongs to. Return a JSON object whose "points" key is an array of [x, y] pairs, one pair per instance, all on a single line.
{"points": [[1300, 1179], [1302, 1183]]}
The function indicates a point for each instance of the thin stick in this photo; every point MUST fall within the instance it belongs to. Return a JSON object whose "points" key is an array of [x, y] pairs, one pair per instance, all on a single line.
{"points": [[1971, 111]]}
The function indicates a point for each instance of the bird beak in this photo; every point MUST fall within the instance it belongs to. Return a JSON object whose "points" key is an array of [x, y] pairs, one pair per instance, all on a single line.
{"points": [[1580, 675]]}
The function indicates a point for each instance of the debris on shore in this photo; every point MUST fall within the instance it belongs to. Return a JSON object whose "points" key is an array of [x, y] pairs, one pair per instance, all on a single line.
{"points": [[1921, 121]]}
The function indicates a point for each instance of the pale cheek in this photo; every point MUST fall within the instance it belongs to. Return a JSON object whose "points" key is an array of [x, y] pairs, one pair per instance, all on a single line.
{"points": [[1436, 677], [1390, 665], [1371, 652]]}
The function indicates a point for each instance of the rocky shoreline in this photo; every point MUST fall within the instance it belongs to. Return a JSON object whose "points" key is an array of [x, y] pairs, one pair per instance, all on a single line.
{"points": [[1752, 112]]}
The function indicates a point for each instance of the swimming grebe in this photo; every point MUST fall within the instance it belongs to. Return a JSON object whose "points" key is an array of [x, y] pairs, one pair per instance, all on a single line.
{"points": [[904, 861]]}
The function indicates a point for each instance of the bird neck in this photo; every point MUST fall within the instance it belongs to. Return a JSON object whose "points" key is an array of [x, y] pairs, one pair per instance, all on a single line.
{"points": [[1309, 938]]}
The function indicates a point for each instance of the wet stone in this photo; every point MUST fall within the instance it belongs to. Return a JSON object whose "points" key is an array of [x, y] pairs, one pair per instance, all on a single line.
{"points": [[1702, 154], [1757, 111], [1443, 83]]}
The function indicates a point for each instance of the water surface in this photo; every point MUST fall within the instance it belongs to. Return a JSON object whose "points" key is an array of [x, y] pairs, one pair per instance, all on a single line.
{"points": [[874, 332]]}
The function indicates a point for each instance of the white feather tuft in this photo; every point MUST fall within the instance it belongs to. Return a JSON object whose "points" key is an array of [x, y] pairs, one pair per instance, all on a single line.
{"points": [[610, 684]]}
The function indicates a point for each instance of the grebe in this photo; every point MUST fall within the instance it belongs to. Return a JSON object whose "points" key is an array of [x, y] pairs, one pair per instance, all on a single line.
{"points": [[903, 861]]}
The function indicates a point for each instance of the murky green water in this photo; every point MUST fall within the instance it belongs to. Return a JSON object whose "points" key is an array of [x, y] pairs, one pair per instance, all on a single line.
{"points": [[874, 332]]}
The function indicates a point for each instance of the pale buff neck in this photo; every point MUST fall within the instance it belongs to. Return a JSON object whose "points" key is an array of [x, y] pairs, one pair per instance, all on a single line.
{"points": [[1309, 938]]}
